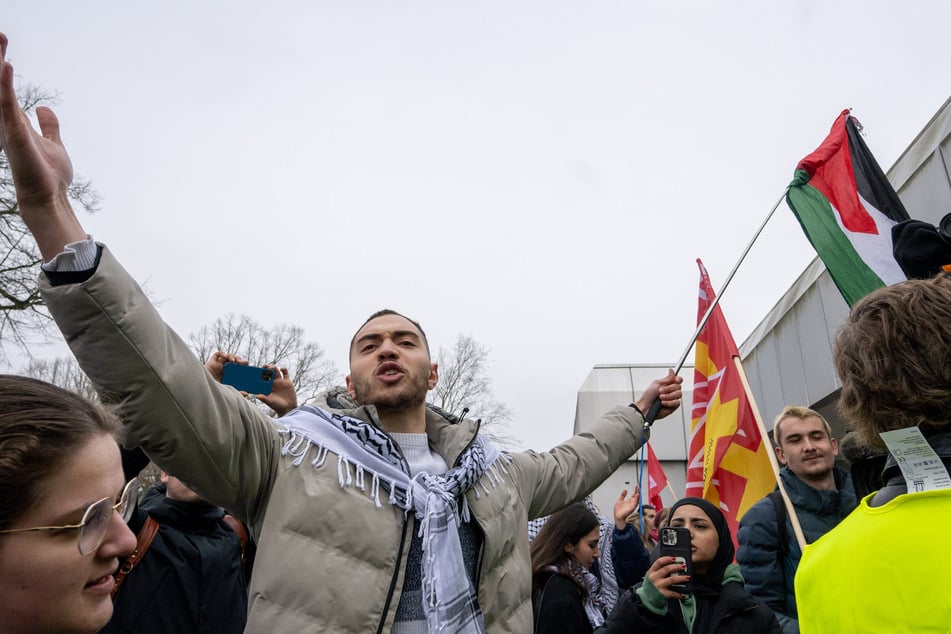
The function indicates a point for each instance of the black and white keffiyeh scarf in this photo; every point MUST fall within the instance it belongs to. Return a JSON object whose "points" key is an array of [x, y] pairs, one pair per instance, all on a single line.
{"points": [[366, 456]]}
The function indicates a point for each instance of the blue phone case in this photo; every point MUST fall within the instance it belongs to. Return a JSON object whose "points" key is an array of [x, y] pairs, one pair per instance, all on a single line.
{"points": [[248, 378]]}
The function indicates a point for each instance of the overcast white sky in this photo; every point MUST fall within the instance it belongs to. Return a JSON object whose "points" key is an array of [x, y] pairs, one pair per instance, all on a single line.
{"points": [[541, 175]]}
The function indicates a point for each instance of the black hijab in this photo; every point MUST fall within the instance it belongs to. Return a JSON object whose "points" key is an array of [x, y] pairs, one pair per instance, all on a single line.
{"points": [[708, 585]]}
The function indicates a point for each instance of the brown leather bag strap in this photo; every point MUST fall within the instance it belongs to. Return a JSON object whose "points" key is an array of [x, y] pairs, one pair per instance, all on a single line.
{"points": [[143, 541], [235, 524]]}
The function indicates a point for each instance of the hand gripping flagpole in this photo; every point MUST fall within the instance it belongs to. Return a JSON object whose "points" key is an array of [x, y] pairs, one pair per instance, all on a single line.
{"points": [[656, 405]]}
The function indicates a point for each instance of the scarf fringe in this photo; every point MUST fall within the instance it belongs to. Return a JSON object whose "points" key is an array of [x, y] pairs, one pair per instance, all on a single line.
{"points": [[438, 500], [350, 473]]}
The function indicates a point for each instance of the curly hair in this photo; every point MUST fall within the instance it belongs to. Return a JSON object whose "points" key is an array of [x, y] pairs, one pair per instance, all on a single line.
{"points": [[41, 425], [893, 356]]}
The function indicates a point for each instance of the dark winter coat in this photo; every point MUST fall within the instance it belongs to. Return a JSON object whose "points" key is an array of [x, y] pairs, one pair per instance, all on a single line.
{"points": [[190, 580], [558, 605], [629, 557], [736, 612], [819, 511]]}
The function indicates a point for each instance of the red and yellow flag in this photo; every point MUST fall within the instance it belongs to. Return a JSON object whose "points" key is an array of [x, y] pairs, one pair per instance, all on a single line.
{"points": [[728, 461]]}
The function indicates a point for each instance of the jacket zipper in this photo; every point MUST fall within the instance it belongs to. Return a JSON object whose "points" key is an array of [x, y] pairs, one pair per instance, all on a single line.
{"points": [[396, 574], [399, 557], [478, 570], [399, 552]]}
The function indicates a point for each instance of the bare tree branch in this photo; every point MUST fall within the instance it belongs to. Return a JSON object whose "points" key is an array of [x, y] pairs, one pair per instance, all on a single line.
{"points": [[63, 372], [464, 383]]}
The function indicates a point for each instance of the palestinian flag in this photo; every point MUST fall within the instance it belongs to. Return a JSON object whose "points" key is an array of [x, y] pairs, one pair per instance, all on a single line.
{"points": [[847, 208]]}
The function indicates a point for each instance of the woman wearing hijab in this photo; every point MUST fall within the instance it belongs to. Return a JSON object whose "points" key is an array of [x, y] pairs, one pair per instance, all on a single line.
{"points": [[715, 602]]}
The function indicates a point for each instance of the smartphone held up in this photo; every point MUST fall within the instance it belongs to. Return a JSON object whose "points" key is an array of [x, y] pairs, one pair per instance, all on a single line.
{"points": [[248, 378], [675, 542]]}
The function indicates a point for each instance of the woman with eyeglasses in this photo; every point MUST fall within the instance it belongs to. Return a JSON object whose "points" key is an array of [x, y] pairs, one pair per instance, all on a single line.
{"points": [[63, 508]]}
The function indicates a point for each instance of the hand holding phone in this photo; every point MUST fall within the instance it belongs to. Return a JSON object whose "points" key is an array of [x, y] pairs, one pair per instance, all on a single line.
{"points": [[675, 542], [248, 378]]}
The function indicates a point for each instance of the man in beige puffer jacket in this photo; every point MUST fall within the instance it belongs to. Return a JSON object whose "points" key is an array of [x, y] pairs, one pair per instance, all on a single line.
{"points": [[332, 552]]}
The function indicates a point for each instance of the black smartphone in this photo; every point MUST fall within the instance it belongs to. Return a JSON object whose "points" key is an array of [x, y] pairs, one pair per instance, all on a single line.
{"points": [[675, 542], [248, 378]]}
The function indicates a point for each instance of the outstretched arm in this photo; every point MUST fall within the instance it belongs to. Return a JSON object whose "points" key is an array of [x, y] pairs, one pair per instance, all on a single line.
{"points": [[41, 168], [551, 480]]}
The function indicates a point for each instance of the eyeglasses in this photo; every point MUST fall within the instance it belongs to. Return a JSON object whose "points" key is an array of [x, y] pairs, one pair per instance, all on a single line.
{"points": [[95, 522]]}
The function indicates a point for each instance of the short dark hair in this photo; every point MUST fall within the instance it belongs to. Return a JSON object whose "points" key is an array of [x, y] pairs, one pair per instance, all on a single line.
{"points": [[41, 425], [383, 312], [892, 356]]}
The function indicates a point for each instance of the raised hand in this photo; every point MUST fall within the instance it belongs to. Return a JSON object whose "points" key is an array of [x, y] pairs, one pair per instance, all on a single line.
{"points": [[216, 363], [624, 506], [283, 397], [41, 168], [666, 571]]}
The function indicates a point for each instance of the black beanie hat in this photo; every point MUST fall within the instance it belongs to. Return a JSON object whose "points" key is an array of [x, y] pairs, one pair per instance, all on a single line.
{"points": [[920, 248]]}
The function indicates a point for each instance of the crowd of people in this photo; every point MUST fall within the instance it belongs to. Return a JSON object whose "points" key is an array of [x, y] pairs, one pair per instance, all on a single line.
{"points": [[373, 512]]}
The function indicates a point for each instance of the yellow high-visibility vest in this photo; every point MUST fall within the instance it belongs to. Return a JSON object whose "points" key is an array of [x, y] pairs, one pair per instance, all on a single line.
{"points": [[884, 569]]}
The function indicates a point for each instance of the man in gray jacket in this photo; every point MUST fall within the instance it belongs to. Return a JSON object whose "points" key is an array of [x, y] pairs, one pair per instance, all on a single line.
{"points": [[822, 495], [384, 517]]}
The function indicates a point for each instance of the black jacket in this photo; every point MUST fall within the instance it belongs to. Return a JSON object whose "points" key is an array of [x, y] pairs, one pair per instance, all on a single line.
{"points": [[558, 606], [630, 557], [736, 612], [819, 511], [190, 579]]}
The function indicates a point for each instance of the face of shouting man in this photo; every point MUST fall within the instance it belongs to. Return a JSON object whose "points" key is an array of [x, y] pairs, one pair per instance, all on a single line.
{"points": [[390, 365]]}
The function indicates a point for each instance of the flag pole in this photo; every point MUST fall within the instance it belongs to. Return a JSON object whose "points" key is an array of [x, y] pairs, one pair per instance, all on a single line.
{"points": [[656, 405], [790, 508], [672, 492]]}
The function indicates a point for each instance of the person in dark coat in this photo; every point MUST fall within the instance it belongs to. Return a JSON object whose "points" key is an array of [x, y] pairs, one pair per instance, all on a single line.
{"points": [[191, 579], [716, 601], [822, 495], [562, 582]]}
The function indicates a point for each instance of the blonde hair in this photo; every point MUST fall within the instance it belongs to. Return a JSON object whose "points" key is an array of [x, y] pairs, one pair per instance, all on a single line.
{"points": [[800, 412]]}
